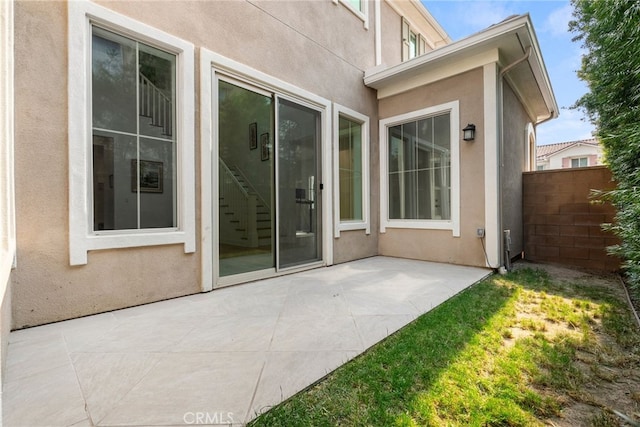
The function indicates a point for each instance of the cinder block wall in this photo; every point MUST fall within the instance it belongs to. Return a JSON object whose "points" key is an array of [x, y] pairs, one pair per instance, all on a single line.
{"points": [[561, 224]]}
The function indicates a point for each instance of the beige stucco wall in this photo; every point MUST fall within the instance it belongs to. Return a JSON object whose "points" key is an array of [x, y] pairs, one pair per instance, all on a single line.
{"points": [[440, 245], [273, 37], [513, 159], [391, 30]]}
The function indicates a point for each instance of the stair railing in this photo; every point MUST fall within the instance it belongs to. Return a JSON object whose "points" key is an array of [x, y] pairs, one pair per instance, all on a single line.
{"points": [[252, 188], [240, 203], [155, 104]]}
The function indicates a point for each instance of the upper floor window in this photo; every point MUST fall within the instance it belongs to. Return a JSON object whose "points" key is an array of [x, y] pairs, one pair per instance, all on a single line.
{"points": [[580, 162], [131, 136], [360, 8], [413, 43], [356, 4]]}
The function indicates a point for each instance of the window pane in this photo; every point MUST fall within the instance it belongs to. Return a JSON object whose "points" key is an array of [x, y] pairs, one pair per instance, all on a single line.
{"points": [[420, 169], [413, 45], [113, 82], [350, 169], [424, 195], [156, 178], [395, 148], [114, 204], [157, 92], [409, 158], [425, 142], [356, 4]]}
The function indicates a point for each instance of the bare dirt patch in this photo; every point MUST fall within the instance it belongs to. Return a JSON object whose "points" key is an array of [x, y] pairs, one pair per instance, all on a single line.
{"points": [[609, 390]]}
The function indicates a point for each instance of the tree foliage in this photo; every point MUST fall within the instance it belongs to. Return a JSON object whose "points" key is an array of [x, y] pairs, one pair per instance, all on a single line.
{"points": [[609, 31]]}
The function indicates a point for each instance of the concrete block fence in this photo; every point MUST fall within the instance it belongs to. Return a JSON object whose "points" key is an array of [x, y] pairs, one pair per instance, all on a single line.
{"points": [[562, 224]]}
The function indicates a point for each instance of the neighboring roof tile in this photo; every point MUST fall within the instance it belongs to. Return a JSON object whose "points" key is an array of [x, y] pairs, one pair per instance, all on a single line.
{"points": [[550, 149]]}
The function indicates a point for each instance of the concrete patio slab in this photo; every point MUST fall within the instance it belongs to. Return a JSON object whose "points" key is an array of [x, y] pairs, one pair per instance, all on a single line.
{"points": [[218, 358]]}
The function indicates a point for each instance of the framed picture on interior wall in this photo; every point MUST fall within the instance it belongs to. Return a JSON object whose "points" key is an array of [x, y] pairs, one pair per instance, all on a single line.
{"points": [[253, 136], [264, 146], [151, 180]]}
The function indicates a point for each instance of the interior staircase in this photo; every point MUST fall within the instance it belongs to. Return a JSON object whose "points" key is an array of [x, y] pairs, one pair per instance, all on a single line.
{"points": [[245, 217], [155, 105]]}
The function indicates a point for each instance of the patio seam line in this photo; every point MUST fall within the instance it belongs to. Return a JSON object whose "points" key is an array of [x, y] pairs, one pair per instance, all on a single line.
{"points": [[247, 416], [120, 398], [75, 375], [353, 319]]}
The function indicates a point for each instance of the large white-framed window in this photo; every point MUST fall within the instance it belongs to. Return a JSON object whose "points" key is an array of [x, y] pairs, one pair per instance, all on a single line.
{"points": [[131, 134], [420, 169], [360, 8], [351, 170]]}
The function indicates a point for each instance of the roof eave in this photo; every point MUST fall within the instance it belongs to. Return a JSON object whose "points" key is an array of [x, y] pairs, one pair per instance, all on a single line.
{"points": [[495, 36]]}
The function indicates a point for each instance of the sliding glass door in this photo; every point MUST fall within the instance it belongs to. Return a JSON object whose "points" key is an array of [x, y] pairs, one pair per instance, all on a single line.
{"points": [[298, 185], [245, 181], [267, 220]]}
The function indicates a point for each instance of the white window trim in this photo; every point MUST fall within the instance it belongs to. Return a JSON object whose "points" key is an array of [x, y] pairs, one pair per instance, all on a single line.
{"points": [[82, 238], [365, 223], [363, 15], [454, 223], [530, 147], [213, 65], [7, 190]]}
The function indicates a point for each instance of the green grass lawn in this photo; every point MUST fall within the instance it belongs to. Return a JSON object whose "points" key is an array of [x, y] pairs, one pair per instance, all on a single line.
{"points": [[512, 350]]}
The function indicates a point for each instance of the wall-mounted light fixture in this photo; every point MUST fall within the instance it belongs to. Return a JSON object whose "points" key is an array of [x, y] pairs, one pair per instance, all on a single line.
{"points": [[469, 133]]}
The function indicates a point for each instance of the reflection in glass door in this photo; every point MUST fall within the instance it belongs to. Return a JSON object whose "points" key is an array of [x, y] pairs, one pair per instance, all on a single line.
{"points": [[298, 183], [245, 183]]}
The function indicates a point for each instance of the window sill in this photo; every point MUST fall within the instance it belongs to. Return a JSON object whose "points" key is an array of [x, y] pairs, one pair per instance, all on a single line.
{"points": [[421, 225], [122, 240], [353, 225]]}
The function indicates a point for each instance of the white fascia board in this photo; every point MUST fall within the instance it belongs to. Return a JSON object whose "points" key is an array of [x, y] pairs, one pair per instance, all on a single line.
{"points": [[438, 73]]}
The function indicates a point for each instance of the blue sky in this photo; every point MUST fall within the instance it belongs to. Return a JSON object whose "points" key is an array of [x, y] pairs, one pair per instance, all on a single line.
{"points": [[461, 18]]}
